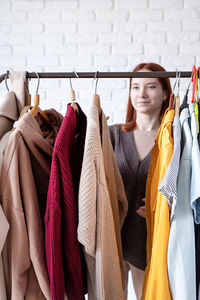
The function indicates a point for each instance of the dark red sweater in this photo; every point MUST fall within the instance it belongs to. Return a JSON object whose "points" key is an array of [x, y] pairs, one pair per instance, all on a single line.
{"points": [[63, 251]]}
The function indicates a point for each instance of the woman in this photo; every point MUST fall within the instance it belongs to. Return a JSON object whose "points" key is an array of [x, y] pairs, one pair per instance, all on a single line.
{"points": [[132, 143]]}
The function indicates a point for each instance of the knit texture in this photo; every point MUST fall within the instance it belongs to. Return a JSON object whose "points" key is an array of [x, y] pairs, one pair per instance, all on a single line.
{"points": [[63, 252], [115, 187], [96, 229]]}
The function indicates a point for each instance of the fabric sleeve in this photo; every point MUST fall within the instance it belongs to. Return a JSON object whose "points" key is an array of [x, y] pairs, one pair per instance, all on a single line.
{"points": [[112, 135], [53, 234], [87, 202], [23, 250], [121, 195], [16, 258], [168, 186]]}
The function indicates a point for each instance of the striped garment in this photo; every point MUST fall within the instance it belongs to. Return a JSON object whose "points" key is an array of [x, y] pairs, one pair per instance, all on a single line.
{"points": [[168, 186]]}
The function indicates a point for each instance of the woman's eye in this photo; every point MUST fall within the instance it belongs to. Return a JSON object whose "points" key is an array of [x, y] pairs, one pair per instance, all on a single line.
{"points": [[152, 86], [135, 87]]}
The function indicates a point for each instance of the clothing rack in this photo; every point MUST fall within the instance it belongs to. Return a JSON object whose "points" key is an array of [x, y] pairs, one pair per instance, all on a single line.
{"points": [[161, 74]]}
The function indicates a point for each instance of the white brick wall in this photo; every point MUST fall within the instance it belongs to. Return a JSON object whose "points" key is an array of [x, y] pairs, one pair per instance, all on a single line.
{"points": [[90, 35]]}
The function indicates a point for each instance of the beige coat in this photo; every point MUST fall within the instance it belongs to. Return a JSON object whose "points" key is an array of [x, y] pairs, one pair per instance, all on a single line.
{"points": [[99, 215], [11, 104], [23, 187], [4, 226]]}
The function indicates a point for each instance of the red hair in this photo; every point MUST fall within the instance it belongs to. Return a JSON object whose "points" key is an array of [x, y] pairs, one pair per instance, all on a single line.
{"points": [[131, 113]]}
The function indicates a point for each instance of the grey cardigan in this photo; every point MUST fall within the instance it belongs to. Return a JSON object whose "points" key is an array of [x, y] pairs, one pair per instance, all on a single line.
{"points": [[134, 175]]}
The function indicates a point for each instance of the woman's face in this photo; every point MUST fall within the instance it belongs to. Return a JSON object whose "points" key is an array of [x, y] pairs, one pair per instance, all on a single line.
{"points": [[147, 94]]}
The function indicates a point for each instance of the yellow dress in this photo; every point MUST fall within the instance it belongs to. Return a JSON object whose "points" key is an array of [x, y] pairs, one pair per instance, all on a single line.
{"points": [[156, 282]]}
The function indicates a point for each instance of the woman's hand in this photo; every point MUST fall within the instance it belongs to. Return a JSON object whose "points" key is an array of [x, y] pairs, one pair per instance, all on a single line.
{"points": [[141, 211]]}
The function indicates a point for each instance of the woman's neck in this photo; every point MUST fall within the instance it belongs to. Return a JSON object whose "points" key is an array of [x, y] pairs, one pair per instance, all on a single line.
{"points": [[147, 122]]}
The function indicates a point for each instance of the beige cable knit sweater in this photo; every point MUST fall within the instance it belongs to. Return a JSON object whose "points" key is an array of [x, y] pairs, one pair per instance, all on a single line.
{"points": [[100, 217]]}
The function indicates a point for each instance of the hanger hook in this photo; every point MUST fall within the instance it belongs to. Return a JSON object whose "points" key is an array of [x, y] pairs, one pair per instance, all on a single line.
{"points": [[76, 74], [189, 83], [6, 77], [175, 82], [179, 79], [38, 77], [26, 85], [70, 80], [96, 78]]}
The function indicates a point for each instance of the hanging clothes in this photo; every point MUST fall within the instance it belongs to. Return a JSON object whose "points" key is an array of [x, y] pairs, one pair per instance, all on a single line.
{"points": [[8, 112], [168, 186], [134, 175], [195, 190], [156, 283], [96, 228], [3, 145], [4, 225], [197, 248], [181, 247], [10, 107], [19, 84], [65, 259], [116, 189], [12, 103], [23, 190]]}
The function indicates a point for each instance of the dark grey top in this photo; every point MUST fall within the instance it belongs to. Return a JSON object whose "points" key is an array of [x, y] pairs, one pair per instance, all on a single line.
{"points": [[134, 175]]}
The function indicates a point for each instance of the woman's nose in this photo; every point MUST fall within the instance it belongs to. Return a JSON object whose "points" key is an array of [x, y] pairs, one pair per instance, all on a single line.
{"points": [[142, 92]]}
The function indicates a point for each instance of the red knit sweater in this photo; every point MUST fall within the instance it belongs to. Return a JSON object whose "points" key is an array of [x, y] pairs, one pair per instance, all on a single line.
{"points": [[63, 252]]}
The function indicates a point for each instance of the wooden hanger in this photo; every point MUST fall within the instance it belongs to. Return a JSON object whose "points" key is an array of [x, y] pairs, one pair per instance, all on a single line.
{"points": [[28, 106], [36, 110], [171, 102], [73, 104], [73, 96], [177, 105], [172, 96], [177, 101], [97, 102], [96, 99], [24, 110]]}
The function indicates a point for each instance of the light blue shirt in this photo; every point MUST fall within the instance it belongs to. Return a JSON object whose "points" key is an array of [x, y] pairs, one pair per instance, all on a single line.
{"points": [[181, 247]]}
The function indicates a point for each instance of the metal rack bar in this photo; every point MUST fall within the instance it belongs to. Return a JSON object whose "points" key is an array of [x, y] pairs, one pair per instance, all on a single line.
{"points": [[104, 75]]}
